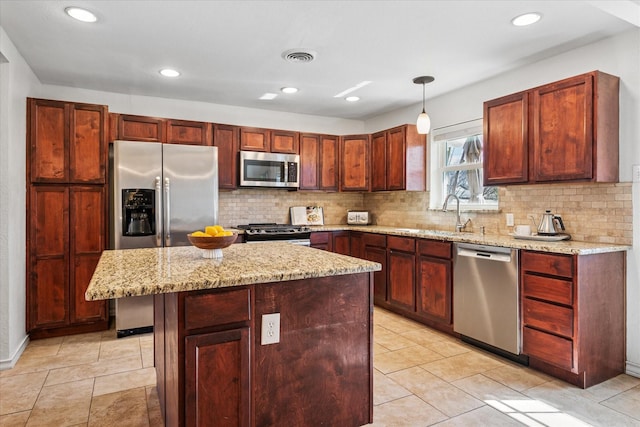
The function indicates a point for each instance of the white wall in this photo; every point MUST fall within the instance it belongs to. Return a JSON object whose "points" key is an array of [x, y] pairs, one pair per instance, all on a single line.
{"points": [[16, 82], [619, 56]]}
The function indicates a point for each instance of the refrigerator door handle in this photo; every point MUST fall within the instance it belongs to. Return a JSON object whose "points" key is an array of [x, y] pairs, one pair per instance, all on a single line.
{"points": [[167, 212], [158, 187]]}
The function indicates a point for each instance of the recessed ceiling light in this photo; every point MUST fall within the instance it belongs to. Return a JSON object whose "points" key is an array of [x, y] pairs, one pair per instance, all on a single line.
{"points": [[269, 96], [352, 98], [351, 89], [289, 89], [526, 19], [80, 14], [168, 72]]}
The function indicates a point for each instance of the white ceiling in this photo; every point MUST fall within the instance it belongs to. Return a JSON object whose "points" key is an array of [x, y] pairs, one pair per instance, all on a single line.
{"points": [[229, 52]]}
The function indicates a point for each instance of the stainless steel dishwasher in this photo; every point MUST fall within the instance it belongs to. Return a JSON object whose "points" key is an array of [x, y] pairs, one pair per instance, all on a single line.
{"points": [[486, 297]]}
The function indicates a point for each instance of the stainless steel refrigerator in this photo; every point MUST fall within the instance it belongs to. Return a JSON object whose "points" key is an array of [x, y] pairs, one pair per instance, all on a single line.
{"points": [[160, 193]]}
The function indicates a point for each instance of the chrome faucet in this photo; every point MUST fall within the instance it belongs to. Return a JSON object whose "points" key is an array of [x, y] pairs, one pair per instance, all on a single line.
{"points": [[459, 226]]}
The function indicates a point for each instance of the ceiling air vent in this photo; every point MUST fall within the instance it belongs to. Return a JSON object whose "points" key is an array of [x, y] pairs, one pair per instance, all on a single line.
{"points": [[299, 55]]}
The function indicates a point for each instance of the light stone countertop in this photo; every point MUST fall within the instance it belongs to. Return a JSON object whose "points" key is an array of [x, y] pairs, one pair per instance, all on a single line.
{"points": [[133, 272], [570, 247]]}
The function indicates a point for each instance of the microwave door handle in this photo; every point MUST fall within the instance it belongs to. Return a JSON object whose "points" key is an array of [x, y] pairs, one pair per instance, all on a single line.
{"points": [[158, 187], [285, 178], [167, 212]]}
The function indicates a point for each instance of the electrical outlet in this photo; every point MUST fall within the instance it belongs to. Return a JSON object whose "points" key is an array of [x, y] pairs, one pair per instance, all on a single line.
{"points": [[270, 328], [636, 173], [510, 222]]}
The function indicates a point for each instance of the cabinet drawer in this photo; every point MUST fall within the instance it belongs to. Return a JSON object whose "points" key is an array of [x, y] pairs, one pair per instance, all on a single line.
{"points": [[557, 265], [219, 308], [549, 348], [371, 239], [320, 237], [401, 244], [435, 248], [555, 290], [549, 317]]}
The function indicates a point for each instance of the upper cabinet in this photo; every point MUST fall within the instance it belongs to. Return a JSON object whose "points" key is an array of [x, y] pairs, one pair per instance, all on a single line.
{"points": [[226, 137], [354, 163], [319, 162], [66, 142], [269, 140], [139, 128], [398, 159], [188, 132], [563, 131]]}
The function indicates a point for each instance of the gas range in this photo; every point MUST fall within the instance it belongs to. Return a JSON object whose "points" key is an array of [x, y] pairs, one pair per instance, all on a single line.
{"points": [[267, 232]]}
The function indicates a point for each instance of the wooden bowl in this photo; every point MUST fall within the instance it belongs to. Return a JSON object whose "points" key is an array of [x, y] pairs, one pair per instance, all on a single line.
{"points": [[206, 242]]}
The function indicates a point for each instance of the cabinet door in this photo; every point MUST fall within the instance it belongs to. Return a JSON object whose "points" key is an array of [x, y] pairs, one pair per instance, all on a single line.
{"points": [[434, 298], [376, 254], [329, 163], [226, 137], [48, 141], [322, 240], [188, 132], [506, 149], [309, 161], [217, 372], [87, 144], [354, 170], [141, 128], [563, 130], [254, 139], [48, 268], [342, 242], [402, 279], [284, 141], [87, 241], [356, 241], [379, 161], [396, 155]]}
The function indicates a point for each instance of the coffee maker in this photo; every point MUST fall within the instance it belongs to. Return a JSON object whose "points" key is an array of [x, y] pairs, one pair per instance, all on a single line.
{"points": [[138, 212]]}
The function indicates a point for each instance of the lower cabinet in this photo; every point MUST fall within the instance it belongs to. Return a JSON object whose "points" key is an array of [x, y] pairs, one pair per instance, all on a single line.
{"points": [[434, 282], [322, 240], [401, 281], [220, 358], [375, 249], [573, 315], [342, 242]]}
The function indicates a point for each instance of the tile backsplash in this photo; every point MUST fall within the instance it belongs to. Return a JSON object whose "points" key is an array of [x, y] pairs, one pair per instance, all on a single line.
{"points": [[591, 212]]}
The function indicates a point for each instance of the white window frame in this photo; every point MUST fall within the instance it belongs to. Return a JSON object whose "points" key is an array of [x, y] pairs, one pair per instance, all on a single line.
{"points": [[438, 137]]}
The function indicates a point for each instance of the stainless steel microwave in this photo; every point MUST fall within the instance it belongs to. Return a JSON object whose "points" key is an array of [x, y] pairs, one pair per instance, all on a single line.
{"points": [[258, 169]]}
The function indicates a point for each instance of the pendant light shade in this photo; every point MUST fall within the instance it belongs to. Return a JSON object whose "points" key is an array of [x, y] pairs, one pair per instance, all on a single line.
{"points": [[423, 124]]}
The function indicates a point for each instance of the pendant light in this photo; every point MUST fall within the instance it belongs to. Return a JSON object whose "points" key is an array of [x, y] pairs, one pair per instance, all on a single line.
{"points": [[424, 122]]}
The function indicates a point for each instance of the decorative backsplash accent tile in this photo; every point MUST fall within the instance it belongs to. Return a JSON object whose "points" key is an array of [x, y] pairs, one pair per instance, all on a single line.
{"points": [[600, 213]]}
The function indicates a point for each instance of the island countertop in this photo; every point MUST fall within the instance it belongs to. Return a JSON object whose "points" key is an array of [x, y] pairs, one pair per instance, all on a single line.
{"points": [[134, 272]]}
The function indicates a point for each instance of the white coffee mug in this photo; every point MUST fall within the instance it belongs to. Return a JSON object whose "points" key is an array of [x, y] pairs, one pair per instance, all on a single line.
{"points": [[522, 230]]}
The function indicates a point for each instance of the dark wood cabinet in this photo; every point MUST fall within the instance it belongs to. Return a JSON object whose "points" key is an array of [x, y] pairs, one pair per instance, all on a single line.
{"points": [[562, 131], [573, 316], [220, 358], [66, 207], [434, 272], [375, 249], [226, 138], [398, 159], [342, 242], [188, 132], [66, 142], [354, 163], [140, 128], [269, 140], [322, 240], [402, 266], [319, 162]]}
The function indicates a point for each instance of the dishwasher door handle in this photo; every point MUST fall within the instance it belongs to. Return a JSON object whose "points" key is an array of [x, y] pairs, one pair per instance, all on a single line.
{"points": [[491, 256]]}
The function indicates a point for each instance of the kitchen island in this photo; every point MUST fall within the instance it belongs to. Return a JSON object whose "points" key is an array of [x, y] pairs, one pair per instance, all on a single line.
{"points": [[214, 361]]}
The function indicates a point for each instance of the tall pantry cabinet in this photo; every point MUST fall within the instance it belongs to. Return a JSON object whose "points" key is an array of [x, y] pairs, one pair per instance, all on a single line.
{"points": [[66, 215]]}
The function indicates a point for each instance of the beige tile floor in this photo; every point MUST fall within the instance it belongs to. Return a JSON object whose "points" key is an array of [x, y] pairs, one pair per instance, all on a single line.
{"points": [[421, 378]]}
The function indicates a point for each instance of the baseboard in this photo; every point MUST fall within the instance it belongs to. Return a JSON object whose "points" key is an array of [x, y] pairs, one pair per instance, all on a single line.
{"points": [[633, 369], [10, 363]]}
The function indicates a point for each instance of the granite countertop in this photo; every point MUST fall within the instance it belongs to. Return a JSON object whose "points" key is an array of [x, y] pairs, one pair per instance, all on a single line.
{"points": [[563, 247], [133, 272]]}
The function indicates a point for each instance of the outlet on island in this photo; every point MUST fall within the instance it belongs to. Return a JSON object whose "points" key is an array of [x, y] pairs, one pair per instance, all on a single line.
{"points": [[270, 329]]}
